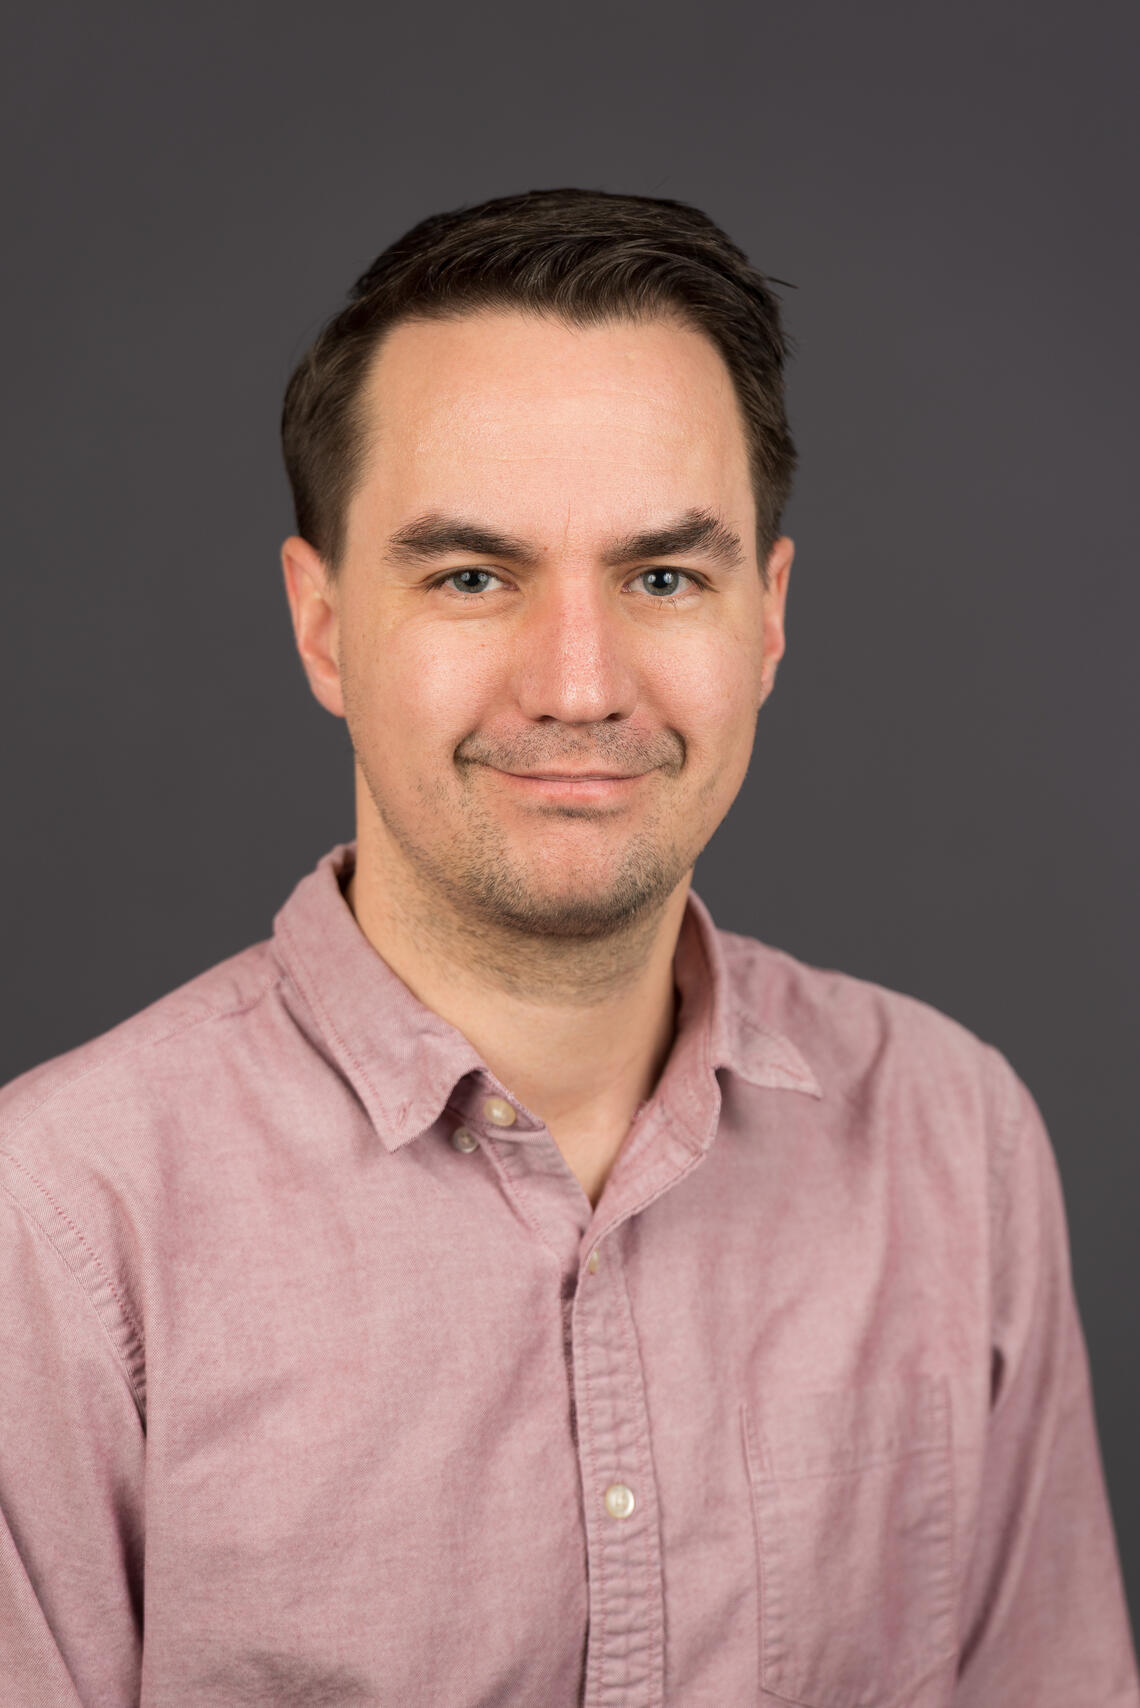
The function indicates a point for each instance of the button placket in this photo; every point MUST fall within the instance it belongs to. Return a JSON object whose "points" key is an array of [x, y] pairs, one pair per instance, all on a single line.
{"points": [[624, 1664], [534, 1176]]}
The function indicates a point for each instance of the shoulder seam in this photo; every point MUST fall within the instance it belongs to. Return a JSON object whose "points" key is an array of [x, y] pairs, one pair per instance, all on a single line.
{"points": [[41, 1233], [62, 1215], [1009, 1109], [1008, 1116]]}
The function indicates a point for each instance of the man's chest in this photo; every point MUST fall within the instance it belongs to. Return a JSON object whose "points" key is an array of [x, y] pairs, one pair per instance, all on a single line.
{"points": [[467, 1455]]}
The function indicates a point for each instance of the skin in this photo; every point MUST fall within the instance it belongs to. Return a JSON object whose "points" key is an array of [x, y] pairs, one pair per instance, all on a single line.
{"points": [[543, 742]]}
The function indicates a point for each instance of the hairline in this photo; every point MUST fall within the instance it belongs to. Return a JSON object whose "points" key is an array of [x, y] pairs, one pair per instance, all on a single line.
{"points": [[362, 434]]}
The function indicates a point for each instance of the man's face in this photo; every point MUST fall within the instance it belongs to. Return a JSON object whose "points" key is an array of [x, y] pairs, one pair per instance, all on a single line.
{"points": [[551, 709]]}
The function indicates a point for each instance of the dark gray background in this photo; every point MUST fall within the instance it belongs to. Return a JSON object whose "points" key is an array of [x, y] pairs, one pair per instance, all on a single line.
{"points": [[943, 795]]}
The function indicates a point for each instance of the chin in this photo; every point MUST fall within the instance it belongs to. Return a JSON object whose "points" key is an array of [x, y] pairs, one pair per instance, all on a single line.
{"points": [[575, 908]]}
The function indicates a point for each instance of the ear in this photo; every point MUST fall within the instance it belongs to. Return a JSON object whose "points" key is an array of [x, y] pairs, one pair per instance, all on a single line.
{"points": [[311, 593], [774, 640]]}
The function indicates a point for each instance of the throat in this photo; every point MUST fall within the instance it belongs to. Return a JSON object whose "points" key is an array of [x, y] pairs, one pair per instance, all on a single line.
{"points": [[591, 1154]]}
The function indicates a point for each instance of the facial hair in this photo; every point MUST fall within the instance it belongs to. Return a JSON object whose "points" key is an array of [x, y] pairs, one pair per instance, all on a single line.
{"points": [[488, 891]]}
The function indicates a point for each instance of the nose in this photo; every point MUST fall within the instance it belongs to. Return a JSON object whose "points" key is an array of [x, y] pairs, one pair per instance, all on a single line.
{"points": [[574, 662]]}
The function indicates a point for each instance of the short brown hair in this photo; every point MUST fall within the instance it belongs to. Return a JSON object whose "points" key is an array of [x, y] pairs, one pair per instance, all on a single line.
{"points": [[582, 256]]}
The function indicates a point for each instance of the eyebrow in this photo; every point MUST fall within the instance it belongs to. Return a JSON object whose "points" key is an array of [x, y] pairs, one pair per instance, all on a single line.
{"points": [[696, 531], [433, 536]]}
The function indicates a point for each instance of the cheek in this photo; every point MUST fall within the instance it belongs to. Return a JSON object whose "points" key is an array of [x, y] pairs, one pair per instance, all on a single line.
{"points": [[418, 689], [710, 690]]}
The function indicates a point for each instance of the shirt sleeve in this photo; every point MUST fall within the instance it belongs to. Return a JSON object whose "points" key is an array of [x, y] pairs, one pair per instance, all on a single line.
{"points": [[71, 1482], [1045, 1621]]}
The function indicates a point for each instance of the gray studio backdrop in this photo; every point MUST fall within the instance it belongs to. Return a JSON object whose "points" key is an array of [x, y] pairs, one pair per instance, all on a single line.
{"points": [[943, 797]]}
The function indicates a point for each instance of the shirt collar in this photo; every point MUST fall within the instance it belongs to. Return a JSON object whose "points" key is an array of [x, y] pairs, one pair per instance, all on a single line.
{"points": [[404, 1061], [737, 1038]]}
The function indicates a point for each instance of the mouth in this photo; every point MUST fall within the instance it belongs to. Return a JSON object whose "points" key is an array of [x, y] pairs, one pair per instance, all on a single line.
{"points": [[576, 776], [586, 788]]}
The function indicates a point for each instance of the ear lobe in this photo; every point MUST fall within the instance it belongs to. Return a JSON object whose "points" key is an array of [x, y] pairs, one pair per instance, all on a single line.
{"points": [[311, 593]]}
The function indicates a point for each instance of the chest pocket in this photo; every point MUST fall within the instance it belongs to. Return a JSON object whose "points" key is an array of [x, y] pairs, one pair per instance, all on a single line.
{"points": [[854, 1505]]}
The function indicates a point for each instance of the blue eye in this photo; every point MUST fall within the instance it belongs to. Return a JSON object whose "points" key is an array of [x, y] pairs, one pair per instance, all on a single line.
{"points": [[471, 580], [662, 582]]}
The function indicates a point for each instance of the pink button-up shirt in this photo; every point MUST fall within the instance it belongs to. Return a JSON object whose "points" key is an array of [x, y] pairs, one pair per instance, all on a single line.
{"points": [[321, 1382]]}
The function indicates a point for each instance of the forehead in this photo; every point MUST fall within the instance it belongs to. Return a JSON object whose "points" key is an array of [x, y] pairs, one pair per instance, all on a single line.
{"points": [[525, 418]]}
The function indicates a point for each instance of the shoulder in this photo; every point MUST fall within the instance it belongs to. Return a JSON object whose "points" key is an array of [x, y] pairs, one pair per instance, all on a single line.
{"points": [[144, 1060], [91, 1141], [867, 1043]]}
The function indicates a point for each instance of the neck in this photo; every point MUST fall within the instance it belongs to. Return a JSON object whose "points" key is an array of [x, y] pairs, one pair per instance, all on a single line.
{"points": [[579, 1031]]}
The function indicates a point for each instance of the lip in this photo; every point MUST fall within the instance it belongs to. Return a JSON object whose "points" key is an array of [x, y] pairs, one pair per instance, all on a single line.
{"points": [[575, 776], [586, 787]]}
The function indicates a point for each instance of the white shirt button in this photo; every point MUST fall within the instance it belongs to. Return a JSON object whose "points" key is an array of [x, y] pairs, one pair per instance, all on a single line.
{"points": [[619, 1500], [592, 1261], [499, 1112], [463, 1140]]}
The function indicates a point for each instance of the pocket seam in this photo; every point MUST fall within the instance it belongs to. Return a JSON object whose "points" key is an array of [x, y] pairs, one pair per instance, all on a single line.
{"points": [[936, 1443]]}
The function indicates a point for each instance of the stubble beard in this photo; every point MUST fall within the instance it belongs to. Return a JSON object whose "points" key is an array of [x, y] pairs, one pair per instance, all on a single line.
{"points": [[484, 882], [471, 895]]}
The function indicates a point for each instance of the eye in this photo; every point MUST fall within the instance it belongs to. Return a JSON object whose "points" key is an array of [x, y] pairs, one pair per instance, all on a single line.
{"points": [[469, 580], [664, 583]]}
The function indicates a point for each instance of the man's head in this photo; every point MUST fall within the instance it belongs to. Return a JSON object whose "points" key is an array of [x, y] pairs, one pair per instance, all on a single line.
{"points": [[539, 463]]}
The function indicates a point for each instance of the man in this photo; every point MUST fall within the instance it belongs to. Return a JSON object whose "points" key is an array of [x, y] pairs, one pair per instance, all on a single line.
{"points": [[502, 1287]]}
